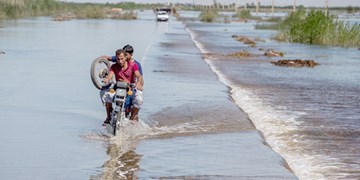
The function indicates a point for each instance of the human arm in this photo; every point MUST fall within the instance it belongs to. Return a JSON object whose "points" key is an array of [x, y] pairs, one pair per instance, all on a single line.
{"points": [[139, 66], [109, 58], [109, 77], [140, 81]]}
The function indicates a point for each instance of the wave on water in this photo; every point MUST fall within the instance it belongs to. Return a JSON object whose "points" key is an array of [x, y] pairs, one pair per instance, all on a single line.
{"points": [[124, 162], [141, 130], [278, 125], [129, 131]]}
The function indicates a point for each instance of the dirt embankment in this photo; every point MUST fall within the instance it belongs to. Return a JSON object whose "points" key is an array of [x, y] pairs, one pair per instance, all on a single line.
{"points": [[270, 53], [295, 63]]}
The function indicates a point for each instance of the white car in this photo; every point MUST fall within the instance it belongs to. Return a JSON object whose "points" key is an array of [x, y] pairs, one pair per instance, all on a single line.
{"points": [[162, 16]]}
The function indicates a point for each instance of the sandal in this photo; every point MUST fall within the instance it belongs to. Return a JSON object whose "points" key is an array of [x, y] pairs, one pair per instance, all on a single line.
{"points": [[107, 121]]}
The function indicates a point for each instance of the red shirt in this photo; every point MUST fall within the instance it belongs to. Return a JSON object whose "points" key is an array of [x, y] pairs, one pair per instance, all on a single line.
{"points": [[134, 67], [127, 75]]}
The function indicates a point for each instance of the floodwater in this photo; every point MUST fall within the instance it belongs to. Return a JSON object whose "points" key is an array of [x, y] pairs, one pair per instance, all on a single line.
{"points": [[310, 116], [212, 118]]}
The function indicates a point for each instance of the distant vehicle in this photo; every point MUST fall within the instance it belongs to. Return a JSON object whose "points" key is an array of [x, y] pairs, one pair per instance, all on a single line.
{"points": [[162, 16]]}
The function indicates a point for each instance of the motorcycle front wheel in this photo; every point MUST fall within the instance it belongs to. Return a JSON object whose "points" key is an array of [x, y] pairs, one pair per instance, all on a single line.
{"points": [[99, 70], [119, 119]]}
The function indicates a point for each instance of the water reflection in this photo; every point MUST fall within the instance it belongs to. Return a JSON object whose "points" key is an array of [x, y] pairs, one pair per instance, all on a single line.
{"points": [[123, 162]]}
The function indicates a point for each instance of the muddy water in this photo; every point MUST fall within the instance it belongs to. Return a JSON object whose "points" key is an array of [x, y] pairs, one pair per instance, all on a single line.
{"points": [[49, 110], [310, 116], [51, 114], [190, 102]]}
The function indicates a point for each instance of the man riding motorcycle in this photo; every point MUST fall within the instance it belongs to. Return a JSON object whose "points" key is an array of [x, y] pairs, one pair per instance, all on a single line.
{"points": [[127, 72]]}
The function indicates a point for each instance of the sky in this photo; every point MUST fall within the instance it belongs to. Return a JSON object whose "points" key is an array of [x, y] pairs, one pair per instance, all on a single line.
{"points": [[306, 3]]}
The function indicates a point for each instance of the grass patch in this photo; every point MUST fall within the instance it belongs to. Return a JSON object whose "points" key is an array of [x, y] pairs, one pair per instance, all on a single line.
{"points": [[245, 14], [208, 15], [272, 26], [14, 9], [90, 12], [125, 15], [317, 28], [240, 54]]}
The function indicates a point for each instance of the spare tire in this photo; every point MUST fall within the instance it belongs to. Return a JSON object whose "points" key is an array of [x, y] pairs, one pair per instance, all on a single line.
{"points": [[99, 70]]}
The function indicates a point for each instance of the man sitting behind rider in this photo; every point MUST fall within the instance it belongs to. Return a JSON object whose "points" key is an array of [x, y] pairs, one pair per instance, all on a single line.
{"points": [[122, 71], [137, 99]]}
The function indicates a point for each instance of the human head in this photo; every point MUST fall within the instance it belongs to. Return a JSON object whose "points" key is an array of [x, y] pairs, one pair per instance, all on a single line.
{"points": [[119, 51], [120, 56], [129, 51]]}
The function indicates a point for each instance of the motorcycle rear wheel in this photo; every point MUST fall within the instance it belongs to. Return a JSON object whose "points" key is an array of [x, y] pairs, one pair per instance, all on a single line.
{"points": [[100, 68]]}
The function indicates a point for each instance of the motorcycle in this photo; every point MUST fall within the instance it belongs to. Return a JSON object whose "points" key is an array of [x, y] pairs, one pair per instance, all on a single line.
{"points": [[118, 92]]}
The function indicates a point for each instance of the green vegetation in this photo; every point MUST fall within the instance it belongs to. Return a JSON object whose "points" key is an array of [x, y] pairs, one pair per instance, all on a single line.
{"points": [[317, 28], [126, 15], [89, 12], [13, 9], [244, 14], [21, 8], [293, 19], [208, 15], [351, 9], [312, 29]]}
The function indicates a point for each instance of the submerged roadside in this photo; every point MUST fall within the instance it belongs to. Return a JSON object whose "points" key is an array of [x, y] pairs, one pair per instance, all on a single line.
{"points": [[197, 129], [298, 109]]}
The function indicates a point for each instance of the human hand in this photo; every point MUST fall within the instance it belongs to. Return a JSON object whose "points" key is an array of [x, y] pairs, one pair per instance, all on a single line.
{"points": [[139, 87]]}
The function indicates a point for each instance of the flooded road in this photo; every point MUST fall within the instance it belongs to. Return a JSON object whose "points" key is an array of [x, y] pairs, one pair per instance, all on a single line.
{"points": [[201, 119], [51, 115], [310, 116], [48, 104]]}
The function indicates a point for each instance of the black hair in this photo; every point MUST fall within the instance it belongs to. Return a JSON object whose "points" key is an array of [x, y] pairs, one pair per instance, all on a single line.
{"points": [[128, 49]]}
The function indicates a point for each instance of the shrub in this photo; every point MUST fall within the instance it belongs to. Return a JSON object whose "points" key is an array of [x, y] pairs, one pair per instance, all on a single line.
{"points": [[317, 28], [89, 11], [244, 14], [21, 8], [311, 29], [208, 15], [293, 19], [126, 15]]}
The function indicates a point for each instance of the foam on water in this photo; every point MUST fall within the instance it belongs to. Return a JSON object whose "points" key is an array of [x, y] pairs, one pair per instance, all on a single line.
{"points": [[123, 160], [278, 125], [131, 131], [279, 128]]}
